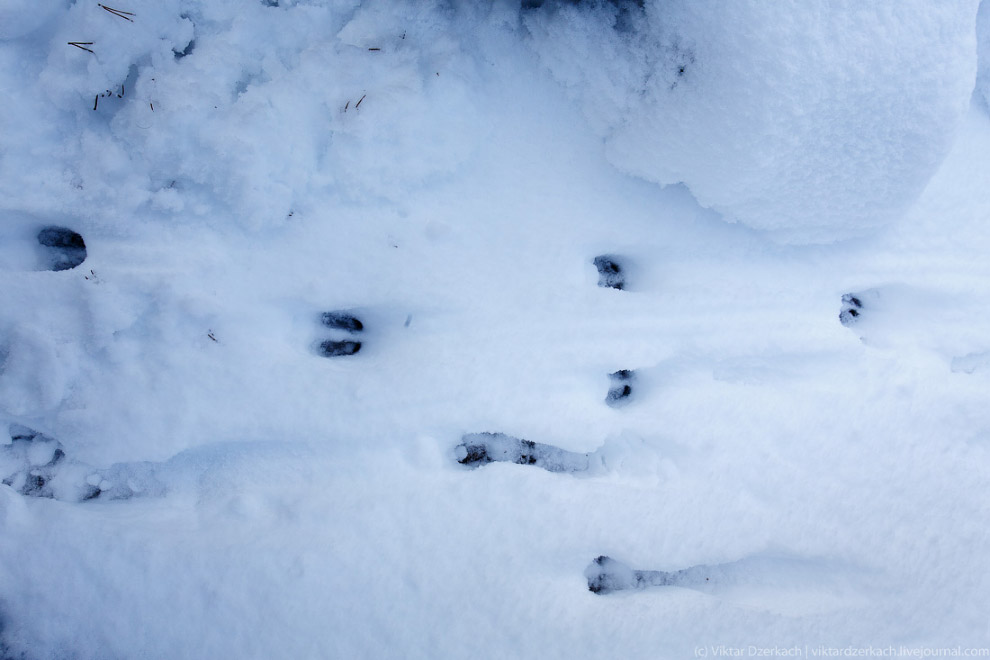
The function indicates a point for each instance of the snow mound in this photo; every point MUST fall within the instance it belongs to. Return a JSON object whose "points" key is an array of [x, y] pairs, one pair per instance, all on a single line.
{"points": [[815, 121], [175, 106]]}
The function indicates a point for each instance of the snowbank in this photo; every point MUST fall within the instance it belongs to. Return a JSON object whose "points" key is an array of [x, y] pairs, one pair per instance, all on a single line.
{"points": [[814, 120]]}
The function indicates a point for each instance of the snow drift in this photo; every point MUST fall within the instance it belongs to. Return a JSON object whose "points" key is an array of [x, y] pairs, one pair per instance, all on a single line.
{"points": [[814, 120]]}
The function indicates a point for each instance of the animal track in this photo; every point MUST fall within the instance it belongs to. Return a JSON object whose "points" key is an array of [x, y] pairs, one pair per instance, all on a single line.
{"points": [[341, 322], [610, 273], [35, 465], [65, 248], [774, 582], [331, 348], [621, 388], [852, 305], [30, 461], [477, 449], [606, 575]]}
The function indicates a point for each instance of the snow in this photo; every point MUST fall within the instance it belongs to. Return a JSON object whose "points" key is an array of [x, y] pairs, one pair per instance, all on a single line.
{"points": [[183, 470], [815, 121], [983, 48]]}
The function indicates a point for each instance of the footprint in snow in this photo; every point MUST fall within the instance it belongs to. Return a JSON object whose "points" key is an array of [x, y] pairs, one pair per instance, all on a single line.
{"points": [[787, 584], [477, 449], [620, 389], [30, 461], [344, 326], [35, 465], [870, 312], [852, 309], [914, 317], [63, 248], [606, 575], [27, 245], [610, 274]]}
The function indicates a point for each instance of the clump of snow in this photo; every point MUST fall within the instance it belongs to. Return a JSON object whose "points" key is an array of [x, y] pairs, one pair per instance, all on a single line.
{"points": [[358, 101], [813, 120]]}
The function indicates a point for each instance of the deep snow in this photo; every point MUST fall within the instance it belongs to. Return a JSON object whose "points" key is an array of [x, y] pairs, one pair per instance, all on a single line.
{"points": [[257, 499]]}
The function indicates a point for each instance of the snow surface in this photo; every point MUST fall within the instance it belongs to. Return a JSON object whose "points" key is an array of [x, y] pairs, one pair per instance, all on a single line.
{"points": [[983, 46], [436, 170], [815, 120]]}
